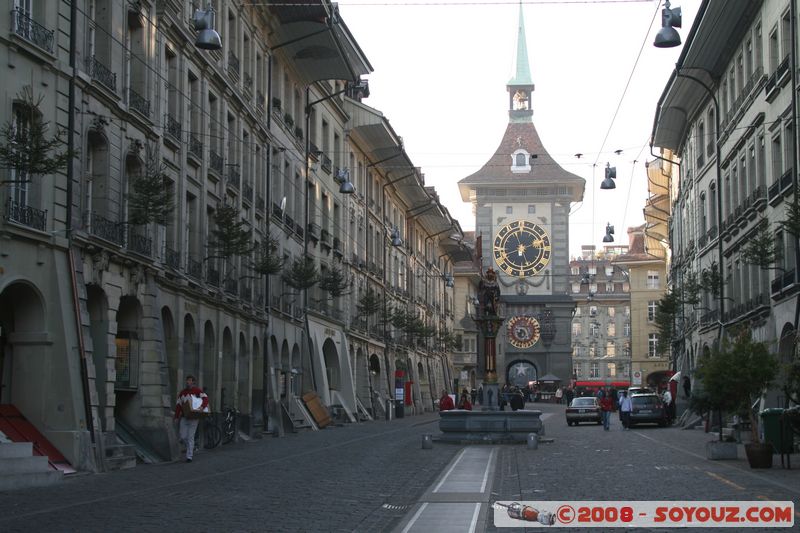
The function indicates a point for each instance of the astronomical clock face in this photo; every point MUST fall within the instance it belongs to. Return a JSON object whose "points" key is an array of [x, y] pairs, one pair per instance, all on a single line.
{"points": [[522, 249], [523, 331]]}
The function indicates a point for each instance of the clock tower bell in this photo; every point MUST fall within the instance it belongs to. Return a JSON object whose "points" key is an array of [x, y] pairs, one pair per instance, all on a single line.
{"points": [[521, 199]]}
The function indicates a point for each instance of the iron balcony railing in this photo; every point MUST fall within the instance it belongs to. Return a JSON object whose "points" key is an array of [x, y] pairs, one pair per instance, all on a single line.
{"points": [[30, 30], [101, 73], [172, 258], [260, 202], [194, 268], [195, 146], [234, 178], [233, 65], [138, 103], [212, 276], [247, 191], [26, 215], [141, 244], [215, 161], [104, 228], [247, 83], [259, 102], [172, 127], [231, 286]]}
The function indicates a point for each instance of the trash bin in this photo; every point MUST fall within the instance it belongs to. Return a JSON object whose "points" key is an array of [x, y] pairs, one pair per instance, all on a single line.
{"points": [[775, 431]]}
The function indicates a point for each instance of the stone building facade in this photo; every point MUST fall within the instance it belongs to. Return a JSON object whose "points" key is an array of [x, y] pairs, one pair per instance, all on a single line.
{"points": [[101, 319]]}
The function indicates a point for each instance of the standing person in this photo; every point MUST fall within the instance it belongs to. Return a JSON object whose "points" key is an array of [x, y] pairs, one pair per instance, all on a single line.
{"points": [[473, 395], [446, 402], [625, 408], [516, 400], [464, 402], [666, 398], [619, 403], [480, 395], [569, 394], [559, 394], [188, 417], [606, 405]]}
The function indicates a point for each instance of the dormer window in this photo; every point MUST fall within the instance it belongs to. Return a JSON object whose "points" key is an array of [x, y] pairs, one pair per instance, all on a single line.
{"points": [[520, 162]]}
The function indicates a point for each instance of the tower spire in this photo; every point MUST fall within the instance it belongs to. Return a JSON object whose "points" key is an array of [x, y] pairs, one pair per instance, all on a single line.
{"points": [[520, 86]]}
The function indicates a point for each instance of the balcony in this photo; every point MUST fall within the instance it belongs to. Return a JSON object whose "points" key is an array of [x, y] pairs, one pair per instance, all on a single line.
{"points": [[712, 233], [276, 210], [313, 231], [787, 182], [233, 66], [774, 193], [231, 286], [259, 102], [782, 73], [245, 293], [260, 203], [172, 258], [194, 268], [782, 282], [247, 84], [140, 244], [106, 229], [26, 215], [326, 163], [702, 241], [759, 198], [215, 161], [138, 103], [30, 30], [172, 128], [234, 179], [247, 191], [195, 147], [101, 73], [212, 276], [337, 247]]}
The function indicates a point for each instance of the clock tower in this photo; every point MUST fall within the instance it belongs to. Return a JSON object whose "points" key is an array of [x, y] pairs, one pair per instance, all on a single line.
{"points": [[521, 198]]}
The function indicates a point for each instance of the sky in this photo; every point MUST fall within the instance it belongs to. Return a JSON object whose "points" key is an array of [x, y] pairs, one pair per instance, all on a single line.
{"points": [[440, 74]]}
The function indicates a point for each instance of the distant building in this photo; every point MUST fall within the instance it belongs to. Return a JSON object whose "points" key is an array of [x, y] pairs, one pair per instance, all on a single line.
{"points": [[601, 326]]}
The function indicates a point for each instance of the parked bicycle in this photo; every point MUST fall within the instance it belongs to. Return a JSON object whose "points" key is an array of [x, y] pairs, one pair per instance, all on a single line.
{"points": [[229, 423], [211, 432]]}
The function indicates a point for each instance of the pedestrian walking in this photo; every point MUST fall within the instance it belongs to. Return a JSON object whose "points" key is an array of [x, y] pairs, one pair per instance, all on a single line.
{"points": [[625, 408], [619, 403], [605, 411], [516, 400], [480, 395], [446, 402], [473, 395], [569, 394], [192, 402], [559, 394]]}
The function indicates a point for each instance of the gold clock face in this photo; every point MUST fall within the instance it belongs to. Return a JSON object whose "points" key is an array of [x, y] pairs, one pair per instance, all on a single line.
{"points": [[523, 331], [522, 249]]}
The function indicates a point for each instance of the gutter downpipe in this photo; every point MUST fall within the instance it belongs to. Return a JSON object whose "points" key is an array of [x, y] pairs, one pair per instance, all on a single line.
{"points": [[95, 439]]}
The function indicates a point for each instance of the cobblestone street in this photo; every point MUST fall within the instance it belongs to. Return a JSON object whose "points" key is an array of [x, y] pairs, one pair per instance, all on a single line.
{"points": [[370, 476]]}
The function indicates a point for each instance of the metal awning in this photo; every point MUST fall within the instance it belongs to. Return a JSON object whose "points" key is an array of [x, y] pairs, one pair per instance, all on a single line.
{"points": [[706, 53], [318, 42]]}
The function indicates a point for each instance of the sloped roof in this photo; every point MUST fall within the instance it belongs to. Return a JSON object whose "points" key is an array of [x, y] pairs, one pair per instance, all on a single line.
{"points": [[544, 168]]}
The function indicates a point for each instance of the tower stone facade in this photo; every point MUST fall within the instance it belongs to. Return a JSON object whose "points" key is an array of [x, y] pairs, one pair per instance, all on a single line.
{"points": [[521, 198]]}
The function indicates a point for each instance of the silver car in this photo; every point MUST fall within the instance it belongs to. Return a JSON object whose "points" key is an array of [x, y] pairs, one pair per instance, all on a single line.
{"points": [[584, 409]]}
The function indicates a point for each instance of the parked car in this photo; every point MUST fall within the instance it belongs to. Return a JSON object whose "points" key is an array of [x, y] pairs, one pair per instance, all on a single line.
{"points": [[585, 409], [648, 408]]}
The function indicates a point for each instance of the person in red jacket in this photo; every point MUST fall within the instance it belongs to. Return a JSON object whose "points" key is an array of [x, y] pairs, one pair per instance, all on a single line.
{"points": [[606, 405], [189, 417], [446, 402], [464, 402]]}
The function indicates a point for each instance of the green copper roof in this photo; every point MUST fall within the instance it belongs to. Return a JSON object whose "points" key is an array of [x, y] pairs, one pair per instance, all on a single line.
{"points": [[522, 75]]}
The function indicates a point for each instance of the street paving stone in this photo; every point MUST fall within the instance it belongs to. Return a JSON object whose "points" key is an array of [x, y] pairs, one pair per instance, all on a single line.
{"points": [[367, 476]]}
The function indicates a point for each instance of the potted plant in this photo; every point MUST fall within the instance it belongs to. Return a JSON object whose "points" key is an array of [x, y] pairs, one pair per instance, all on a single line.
{"points": [[733, 378]]}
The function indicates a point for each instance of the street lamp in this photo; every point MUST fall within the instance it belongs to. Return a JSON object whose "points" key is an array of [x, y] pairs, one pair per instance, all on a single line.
{"points": [[609, 237], [611, 175], [207, 36], [667, 36]]}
